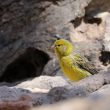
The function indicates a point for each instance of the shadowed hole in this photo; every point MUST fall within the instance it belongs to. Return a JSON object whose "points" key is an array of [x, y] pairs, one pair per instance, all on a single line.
{"points": [[76, 22], [29, 64], [92, 20], [86, 19], [105, 57]]}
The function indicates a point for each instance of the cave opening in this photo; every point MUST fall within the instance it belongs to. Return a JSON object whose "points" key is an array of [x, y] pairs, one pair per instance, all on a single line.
{"points": [[28, 65]]}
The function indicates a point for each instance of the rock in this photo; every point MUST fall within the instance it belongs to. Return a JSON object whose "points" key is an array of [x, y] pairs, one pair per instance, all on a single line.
{"points": [[31, 25], [51, 68], [14, 99], [106, 36], [103, 92], [99, 100], [44, 82], [22, 104], [78, 89], [11, 94], [31, 93]]}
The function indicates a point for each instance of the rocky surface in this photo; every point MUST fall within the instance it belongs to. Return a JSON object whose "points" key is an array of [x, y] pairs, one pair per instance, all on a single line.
{"points": [[98, 100], [51, 90], [27, 32]]}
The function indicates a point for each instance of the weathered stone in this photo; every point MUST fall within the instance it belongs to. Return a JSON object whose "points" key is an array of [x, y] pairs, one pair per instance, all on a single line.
{"points": [[98, 100], [44, 82], [29, 94], [32, 24]]}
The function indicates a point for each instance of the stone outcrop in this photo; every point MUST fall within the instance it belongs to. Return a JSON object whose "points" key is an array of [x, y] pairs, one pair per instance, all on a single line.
{"points": [[27, 32]]}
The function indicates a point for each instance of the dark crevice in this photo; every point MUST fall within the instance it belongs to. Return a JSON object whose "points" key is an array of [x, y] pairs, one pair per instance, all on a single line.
{"points": [[76, 22], [86, 19], [92, 20], [29, 64], [105, 58]]}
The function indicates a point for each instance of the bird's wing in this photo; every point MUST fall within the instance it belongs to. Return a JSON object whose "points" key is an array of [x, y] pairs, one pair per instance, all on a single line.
{"points": [[82, 63]]}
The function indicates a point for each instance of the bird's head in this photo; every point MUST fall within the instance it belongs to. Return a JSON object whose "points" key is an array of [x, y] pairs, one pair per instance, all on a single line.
{"points": [[62, 47]]}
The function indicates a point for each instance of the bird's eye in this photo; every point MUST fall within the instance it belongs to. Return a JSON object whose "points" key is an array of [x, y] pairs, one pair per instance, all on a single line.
{"points": [[58, 45]]}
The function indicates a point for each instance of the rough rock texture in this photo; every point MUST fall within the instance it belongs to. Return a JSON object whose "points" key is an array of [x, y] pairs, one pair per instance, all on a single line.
{"points": [[44, 82], [28, 95], [27, 30], [98, 100], [52, 67]]}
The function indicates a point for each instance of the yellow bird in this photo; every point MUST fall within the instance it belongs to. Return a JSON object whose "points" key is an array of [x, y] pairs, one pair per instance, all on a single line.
{"points": [[74, 66]]}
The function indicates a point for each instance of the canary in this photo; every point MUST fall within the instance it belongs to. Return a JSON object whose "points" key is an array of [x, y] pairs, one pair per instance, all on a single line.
{"points": [[74, 66]]}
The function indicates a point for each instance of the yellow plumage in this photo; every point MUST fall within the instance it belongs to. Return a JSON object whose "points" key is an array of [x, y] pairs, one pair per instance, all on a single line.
{"points": [[73, 65]]}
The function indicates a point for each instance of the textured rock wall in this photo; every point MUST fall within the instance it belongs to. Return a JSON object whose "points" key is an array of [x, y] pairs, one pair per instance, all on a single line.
{"points": [[27, 26]]}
